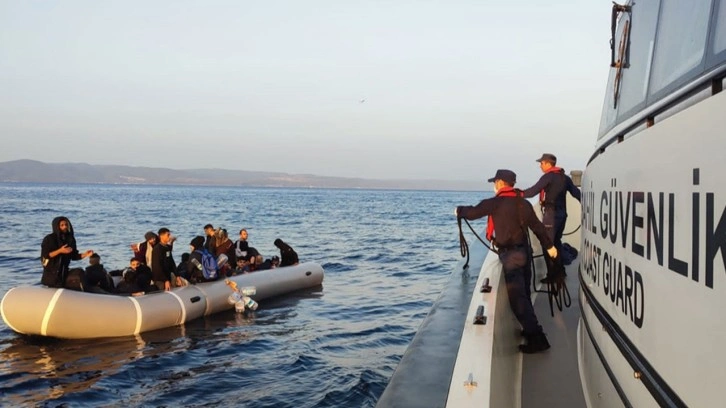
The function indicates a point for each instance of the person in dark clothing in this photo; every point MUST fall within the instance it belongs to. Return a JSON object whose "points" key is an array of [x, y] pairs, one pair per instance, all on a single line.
{"points": [[181, 269], [510, 215], [57, 251], [287, 254], [194, 267], [552, 188], [97, 278], [267, 264], [241, 245], [144, 279], [226, 247], [129, 282], [162, 261], [210, 244]]}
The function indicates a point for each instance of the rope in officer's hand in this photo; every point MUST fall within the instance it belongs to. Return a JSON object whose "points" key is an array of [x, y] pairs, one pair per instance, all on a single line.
{"points": [[463, 245]]}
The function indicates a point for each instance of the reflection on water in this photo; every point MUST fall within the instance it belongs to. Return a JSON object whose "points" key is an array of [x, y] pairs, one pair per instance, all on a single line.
{"points": [[47, 368]]}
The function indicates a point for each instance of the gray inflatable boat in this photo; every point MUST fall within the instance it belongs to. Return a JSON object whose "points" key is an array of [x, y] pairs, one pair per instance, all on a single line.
{"points": [[63, 313]]}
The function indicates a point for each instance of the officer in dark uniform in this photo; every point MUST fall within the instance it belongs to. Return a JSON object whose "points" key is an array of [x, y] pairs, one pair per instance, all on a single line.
{"points": [[511, 216], [552, 188]]}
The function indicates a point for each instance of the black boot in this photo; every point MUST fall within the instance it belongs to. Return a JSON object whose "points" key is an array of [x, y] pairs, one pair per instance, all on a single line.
{"points": [[535, 344]]}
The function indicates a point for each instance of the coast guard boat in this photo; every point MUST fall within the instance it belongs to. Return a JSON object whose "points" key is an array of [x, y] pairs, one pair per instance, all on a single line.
{"points": [[649, 284]]}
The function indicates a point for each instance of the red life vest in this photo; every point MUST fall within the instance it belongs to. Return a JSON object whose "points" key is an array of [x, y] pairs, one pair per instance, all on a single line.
{"points": [[552, 169], [503, 192]]}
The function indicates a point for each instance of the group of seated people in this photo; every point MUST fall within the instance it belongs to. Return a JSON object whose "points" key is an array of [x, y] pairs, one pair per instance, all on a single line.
{"points": [[229, 259]]}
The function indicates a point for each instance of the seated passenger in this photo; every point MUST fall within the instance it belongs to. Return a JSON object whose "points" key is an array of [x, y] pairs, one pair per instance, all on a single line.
{"points": [[271, 263], [129, 283], [288, 255], [97, 278], [241, 245], [181, 269], [264, 265], [144, 279], [195, 267], [225, 247], [241, 267], [180, 277], [252, 264]]}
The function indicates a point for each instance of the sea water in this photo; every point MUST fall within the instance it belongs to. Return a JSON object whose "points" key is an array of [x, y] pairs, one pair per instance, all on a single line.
{"points": [[386, 255]]}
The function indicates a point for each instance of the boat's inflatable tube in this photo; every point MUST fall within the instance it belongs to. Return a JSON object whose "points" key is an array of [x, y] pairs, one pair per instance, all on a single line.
{"points": [[69, 314]]}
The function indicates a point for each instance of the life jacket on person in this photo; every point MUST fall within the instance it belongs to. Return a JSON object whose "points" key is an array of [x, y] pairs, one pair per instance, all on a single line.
{"points": [[503, 192]]}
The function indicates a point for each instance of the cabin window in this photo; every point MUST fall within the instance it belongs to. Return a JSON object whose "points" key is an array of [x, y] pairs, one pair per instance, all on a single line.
{"points": [[717, 49], [680, 44], [719, 34], [634, 86]]}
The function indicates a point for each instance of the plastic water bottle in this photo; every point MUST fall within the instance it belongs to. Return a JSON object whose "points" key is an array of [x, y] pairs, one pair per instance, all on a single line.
{"points": [[248, 291], [197, 264], [222, 260], [249, 303], [239, 307], [234, 298]]}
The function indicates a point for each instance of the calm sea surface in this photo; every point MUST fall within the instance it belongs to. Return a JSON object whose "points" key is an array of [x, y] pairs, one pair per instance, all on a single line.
{"points": [[386, 255]]}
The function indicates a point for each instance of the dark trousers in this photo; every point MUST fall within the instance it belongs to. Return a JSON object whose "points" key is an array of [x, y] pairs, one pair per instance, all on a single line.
{"points": [[554, 222], [517, 272]]}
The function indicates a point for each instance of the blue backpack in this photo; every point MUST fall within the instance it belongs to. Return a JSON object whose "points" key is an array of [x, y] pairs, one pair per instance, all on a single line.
{"points": [[209, 265]]}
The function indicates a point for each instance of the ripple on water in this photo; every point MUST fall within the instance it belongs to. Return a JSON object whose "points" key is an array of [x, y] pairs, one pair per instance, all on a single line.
{"points": [[386, 259]]}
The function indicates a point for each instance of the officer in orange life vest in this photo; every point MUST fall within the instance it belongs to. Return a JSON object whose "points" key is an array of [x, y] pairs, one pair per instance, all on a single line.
{"points": [[552, 188], [510, 215]]}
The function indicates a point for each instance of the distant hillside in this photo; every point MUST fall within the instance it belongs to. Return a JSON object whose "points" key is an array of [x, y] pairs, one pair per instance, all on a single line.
{"points": [[31, 171]]}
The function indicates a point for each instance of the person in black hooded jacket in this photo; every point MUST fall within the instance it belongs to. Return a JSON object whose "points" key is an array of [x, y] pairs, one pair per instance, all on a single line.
{"points": [[57, 251], [287, 254]]}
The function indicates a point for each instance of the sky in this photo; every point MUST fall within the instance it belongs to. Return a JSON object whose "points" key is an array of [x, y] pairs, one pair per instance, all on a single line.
{"points": [[448, 90]]}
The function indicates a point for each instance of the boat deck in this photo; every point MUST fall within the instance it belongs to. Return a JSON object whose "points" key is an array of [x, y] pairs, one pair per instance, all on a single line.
{"points": [[551, 378]]}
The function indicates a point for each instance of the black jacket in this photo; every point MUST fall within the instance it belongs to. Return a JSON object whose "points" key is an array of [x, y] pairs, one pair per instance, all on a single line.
{"points": [[555, 184], [512, 216], [288, 256], [96, 275], [55, 269], [210, 243], [162, 263]]}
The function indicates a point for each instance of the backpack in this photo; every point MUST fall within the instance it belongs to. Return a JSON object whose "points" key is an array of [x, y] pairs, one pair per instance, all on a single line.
{"points": [[209, 265]]}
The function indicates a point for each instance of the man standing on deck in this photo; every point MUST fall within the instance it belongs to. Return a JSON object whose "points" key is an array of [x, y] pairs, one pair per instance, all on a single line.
{"points": [[552, 188], [509, 217]]}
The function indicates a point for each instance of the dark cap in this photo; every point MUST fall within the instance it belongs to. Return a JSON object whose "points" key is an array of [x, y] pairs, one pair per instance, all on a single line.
{"points": [[548, 157], [505, 175]]}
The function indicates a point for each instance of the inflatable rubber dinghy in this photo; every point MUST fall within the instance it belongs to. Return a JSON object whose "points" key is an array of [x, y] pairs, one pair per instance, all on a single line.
{"points": [[68, 314]]}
